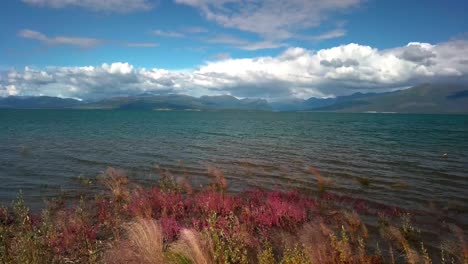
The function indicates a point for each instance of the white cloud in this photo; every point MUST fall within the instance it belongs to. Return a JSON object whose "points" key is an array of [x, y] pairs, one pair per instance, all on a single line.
{"points": [[195, 30], [11, 90], [141, 44], [296, 72], [243, 43], [181, 33], [77, 41], [336, 33], [222, 56], [118, 68], [272, 19], [168, 34], [419, 53], [227, 39], [59, 40], [260, 45], [119, 6]]}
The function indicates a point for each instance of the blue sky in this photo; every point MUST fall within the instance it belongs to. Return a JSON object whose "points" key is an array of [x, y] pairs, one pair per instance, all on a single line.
{"points": [[323, 48]]}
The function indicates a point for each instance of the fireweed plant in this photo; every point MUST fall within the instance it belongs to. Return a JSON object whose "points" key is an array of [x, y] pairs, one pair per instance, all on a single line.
{"points": [[171, 222]]}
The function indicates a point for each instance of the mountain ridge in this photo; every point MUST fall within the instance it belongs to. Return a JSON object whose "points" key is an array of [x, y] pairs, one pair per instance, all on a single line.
{"points": [[424, 98]]}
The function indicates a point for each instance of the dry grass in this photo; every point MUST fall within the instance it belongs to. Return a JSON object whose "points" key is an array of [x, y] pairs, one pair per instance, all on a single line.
{"points": [[146, 239], [322, 182], [144, 244], [220, 182], [355, 226], [394, 234], [455, 249], [192, 246], [116, 181], [316, 240]]}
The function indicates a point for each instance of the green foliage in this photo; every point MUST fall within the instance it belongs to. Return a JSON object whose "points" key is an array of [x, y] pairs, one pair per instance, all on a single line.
{"points": [[4, 244], [22, 241], [408, 230], [362, 250], [177, 258], [167, 183], [20, 211], [295, 255], [227, 246], [265, 256], [425, 254], [85, 181], [341, 246]]}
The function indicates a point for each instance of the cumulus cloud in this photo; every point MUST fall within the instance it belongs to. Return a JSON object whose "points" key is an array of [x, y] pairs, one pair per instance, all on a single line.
{"points": [[419, 53], [336, 63], [296, 72], [119, 6], [59, 40], [272, 19], [9, 90]]}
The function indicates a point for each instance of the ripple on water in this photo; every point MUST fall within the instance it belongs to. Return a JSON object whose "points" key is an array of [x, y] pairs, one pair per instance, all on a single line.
{"points": [[400, 155]]}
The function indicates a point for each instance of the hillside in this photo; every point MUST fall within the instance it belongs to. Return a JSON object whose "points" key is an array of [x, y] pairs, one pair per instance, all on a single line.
{"points": [[179, 102], [35, 102], [426, 98], [315, 103]]}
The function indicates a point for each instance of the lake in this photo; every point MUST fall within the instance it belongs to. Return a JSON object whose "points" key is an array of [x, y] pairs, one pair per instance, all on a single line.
{"points": [[44, 152]]}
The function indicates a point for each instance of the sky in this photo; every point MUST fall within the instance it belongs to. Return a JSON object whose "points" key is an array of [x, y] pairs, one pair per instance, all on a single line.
{"points": [[272, 49]]}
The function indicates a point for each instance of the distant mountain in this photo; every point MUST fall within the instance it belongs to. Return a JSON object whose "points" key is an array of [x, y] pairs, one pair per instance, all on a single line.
{"points": [[33, 102], [317, 103], [426, 98], [179, 102]]}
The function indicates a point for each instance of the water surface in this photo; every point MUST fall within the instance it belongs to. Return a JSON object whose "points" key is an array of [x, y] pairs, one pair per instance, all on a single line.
{"points": [[42, 152]]}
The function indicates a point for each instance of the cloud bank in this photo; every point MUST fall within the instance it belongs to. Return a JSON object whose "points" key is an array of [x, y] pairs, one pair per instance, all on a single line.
{"points": [[296, 72]]}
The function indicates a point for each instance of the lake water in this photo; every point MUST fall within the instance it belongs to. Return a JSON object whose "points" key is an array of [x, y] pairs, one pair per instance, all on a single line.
{"points": [[43, 152]]}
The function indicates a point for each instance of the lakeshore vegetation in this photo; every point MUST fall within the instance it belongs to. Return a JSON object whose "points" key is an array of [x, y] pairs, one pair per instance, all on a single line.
{"points": [[172, 222]]}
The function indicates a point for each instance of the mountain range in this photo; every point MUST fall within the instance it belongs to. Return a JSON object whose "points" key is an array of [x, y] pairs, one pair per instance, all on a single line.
{"points": [[38, 102], [179, 102], [425, 98]]}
